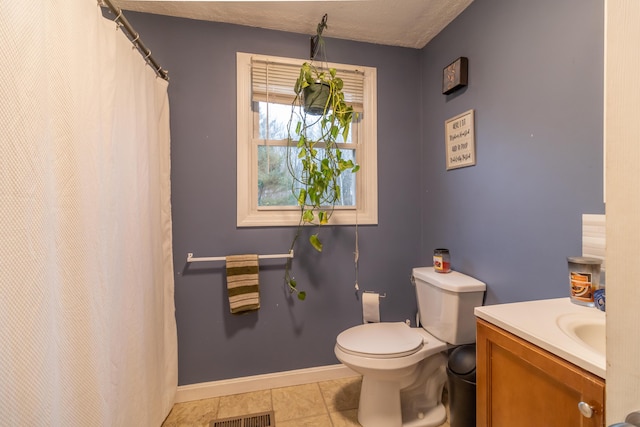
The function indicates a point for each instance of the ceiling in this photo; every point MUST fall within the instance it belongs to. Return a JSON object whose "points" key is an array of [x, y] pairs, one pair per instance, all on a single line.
{"points": [[406, 23]]}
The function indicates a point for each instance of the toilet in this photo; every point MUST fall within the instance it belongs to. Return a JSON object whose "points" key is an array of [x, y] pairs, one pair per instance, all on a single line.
{"points": [[403, 368]]}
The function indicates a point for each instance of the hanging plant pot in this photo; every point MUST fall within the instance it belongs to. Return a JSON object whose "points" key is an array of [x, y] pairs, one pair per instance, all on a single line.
{"points": [[315, 98]]}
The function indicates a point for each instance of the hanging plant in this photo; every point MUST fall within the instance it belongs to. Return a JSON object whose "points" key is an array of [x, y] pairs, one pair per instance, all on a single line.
{"points": [[320, 118]]}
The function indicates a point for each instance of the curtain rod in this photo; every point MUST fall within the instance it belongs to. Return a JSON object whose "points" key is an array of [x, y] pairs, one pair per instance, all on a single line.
{"points": [[134, 38]]}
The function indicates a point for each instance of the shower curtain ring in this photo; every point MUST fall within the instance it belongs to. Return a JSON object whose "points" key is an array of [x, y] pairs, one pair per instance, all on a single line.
{"points": [[117, 20], [135, 40], [148, 54]]}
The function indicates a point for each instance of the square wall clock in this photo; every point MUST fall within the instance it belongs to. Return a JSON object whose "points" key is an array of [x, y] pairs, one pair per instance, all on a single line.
{"points": [[454, 75]]}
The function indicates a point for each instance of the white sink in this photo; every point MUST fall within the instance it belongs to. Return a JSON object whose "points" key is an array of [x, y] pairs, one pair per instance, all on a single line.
{"points": [[573, 332], [586, 330]]}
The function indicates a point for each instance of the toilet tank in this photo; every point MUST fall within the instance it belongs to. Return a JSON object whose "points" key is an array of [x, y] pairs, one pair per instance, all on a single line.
{"points": [[446, 302]]}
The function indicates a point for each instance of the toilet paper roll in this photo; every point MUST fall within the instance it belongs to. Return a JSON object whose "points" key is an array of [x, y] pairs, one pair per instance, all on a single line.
{"points": [[370, 307]]}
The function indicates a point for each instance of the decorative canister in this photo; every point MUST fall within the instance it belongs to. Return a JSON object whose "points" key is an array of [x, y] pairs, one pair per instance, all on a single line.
{"points": [[441, 260], [584, 279]]}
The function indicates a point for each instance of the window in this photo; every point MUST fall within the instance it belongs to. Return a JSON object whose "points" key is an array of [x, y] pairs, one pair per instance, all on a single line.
{"points": [[265, 94]]}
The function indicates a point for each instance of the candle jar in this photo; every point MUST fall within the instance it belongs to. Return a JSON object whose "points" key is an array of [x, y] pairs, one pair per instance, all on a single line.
{"points": [[441, 260], [584, 278]]}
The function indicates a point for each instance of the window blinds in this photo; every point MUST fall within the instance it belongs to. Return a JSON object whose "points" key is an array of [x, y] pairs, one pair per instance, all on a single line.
{"points": [[274, 80]]}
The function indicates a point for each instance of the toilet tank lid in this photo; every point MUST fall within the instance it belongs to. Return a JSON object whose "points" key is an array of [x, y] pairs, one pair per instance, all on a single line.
{"points": [[452, 281]]}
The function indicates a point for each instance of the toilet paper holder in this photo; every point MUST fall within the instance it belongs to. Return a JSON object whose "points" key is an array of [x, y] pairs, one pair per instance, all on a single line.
{"points": [[373, 292]]}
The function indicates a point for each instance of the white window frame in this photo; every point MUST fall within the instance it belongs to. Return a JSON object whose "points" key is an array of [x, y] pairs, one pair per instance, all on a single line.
{"points": [[248, 213]]}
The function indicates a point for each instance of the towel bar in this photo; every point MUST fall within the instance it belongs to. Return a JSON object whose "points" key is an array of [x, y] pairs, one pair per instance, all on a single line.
{"points": [[191, 258]]}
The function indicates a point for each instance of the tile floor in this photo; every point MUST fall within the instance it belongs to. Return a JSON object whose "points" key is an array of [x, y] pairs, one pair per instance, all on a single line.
{"points": [[332, 403]]}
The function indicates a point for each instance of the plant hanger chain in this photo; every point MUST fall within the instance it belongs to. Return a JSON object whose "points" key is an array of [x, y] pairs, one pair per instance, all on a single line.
{"points": [[316, 40]]}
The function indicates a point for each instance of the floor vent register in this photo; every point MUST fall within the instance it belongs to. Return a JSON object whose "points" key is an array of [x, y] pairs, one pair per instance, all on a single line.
{"points": [[264, 419]]}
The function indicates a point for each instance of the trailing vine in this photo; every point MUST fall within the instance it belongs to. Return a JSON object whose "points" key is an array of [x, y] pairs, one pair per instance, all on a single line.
{"points": [[314, 130]]}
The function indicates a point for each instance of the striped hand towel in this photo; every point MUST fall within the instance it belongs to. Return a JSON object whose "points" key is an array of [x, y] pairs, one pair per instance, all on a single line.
{"points": [[242, 282]]}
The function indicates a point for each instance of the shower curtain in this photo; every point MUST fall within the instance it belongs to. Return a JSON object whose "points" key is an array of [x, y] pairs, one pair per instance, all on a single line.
{"points": [[87, 325]]}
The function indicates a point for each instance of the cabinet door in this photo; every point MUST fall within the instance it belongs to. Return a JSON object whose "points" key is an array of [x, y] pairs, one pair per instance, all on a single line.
{"points": [[520, 384]]}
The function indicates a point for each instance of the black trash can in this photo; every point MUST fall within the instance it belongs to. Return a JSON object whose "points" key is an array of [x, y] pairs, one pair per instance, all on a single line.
{"points": [[461, 380]]}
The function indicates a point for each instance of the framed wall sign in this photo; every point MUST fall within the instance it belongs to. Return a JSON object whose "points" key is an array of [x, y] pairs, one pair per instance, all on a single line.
{"points": [[455, 75], [460, 140]]}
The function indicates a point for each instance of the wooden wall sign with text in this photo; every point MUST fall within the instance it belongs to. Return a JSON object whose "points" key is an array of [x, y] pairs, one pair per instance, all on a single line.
{"points": [[460, 141]]}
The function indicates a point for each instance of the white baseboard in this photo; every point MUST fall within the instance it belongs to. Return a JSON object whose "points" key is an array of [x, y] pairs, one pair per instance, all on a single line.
{"points": [[211, 389]]}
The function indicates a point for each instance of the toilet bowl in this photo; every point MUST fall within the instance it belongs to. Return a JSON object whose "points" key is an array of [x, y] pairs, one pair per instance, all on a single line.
{"points": [[392, 357], [404, 369]]}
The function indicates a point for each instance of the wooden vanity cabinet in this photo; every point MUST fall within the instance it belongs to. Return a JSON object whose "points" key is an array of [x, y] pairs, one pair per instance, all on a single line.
{"points": [[520, 384]]}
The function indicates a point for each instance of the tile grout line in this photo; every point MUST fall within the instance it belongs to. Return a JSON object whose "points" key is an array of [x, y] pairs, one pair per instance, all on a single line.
{"points": [[326, 406], [218, 409], [324, 402], [273, 409]]}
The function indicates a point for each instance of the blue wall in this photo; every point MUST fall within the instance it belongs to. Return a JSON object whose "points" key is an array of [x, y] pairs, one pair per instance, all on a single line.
{"points": [[285, 333], [535, 83], [536, 87]]}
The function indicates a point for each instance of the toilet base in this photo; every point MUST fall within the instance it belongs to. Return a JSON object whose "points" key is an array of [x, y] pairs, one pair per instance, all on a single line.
{"points": [[435, 416], [380, 406], [379, 403], [410, 400]]}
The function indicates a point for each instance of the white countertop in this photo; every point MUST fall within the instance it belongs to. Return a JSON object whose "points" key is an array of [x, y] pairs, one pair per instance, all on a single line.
{"points": [[535, 321]]}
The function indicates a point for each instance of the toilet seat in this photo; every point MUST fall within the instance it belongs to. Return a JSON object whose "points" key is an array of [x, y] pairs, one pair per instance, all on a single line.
{"points": [[380, 340]]}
